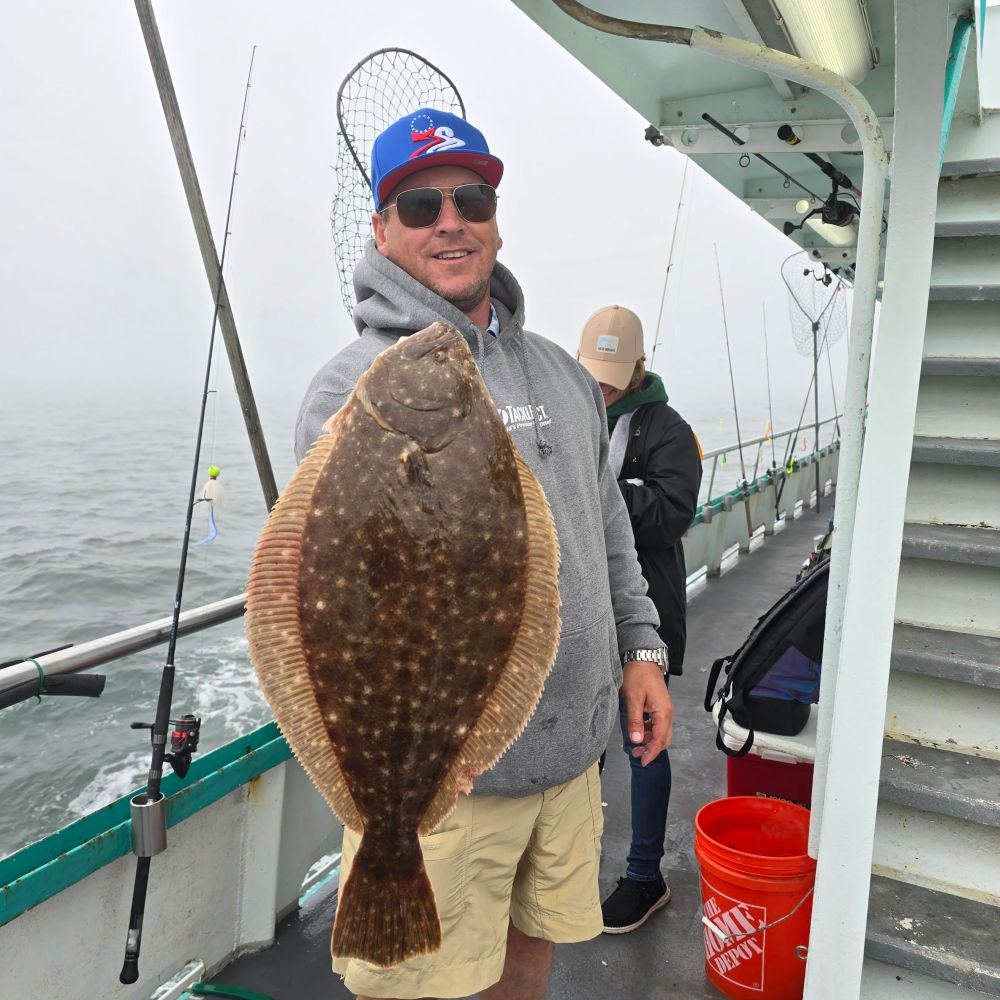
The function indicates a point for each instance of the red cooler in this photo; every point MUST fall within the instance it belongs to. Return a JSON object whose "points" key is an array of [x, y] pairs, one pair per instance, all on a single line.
{"points": [[770, 779]]}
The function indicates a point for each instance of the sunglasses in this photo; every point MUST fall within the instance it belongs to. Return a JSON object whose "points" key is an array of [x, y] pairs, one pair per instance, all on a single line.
{"points": [[420, 208]]}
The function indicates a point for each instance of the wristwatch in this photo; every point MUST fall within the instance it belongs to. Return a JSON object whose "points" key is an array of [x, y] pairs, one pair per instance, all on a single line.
{"points": [[658, 656]]}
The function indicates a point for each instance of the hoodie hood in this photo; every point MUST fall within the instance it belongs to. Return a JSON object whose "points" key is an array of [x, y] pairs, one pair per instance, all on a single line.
{"points": [[651, 391], [391, 302]]}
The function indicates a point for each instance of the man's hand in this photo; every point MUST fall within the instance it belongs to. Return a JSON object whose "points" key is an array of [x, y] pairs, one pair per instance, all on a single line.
{"points": [[645, 693]]}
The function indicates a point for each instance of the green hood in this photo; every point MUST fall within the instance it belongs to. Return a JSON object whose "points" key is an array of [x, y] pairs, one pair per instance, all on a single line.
{"points": [[652, 391]]}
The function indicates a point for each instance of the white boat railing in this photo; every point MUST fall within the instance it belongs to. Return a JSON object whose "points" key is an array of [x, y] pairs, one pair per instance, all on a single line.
{"points": [[781, 441], [772, 496]]}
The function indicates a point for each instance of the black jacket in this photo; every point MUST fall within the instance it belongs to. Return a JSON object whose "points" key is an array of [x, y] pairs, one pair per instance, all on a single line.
{"points": [[662, 451]]}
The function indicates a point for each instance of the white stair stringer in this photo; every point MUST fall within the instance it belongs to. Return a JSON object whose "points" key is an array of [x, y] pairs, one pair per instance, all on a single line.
{"points": [[934, 913]]}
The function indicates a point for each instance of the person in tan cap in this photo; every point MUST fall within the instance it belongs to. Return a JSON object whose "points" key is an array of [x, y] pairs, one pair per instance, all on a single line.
{"points": [[656, 459]]}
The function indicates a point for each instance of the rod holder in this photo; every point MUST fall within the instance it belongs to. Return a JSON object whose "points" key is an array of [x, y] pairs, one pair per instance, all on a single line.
{"points": [[149, 826]]}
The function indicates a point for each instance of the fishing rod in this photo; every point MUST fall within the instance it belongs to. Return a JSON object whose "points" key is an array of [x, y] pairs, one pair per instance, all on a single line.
{"points": [[670, 260], [149, 828], [770, 411], [744, 486], [787, 134], [789, 179]]}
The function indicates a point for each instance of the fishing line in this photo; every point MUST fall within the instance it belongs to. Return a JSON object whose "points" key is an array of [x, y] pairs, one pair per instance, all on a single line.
{"points": [[833, 391], [744, 486], [670, 261], [793, 438], [147, 808]]}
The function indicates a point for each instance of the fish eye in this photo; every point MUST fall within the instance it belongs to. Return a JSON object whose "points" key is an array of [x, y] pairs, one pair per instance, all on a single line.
{"points": [[440, 355]]}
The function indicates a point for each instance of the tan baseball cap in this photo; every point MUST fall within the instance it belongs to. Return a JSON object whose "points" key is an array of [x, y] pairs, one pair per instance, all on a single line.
{"points": [[610, 345]]}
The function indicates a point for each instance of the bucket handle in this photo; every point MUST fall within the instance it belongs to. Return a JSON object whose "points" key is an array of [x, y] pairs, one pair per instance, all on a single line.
{"points": [[726, 938]]}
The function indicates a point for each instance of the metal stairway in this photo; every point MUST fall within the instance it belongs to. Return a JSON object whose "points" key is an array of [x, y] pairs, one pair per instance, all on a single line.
{"points": [[934, 911]]}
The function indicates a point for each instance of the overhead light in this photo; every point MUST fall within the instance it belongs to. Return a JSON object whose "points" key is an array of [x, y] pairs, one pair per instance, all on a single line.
{"points": [[832, 33], [837, 236]]}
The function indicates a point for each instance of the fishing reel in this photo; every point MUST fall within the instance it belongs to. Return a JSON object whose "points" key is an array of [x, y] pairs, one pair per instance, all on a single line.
{"points": [[183, 741], [833, 212]]}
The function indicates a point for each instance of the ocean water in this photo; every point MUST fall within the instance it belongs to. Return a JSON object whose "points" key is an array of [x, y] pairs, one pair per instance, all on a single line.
{"points": [[94, 491]]}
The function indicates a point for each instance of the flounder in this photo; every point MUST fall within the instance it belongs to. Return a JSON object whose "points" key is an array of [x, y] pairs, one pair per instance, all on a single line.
{"points": [[402, 616]]}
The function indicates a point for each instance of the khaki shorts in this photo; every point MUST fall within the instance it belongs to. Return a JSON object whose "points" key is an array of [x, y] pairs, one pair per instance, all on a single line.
{"points": [[532, 861]]}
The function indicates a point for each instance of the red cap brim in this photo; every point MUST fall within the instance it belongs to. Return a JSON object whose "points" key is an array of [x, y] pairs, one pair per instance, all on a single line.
{"points": [[488, 167]]}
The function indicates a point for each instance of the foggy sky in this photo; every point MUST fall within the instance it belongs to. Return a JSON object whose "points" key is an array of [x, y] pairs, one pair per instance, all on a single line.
{"points": [[101, 283]]}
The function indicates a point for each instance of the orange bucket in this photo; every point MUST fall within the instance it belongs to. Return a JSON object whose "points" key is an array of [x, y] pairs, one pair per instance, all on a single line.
{"points": [[756, 895]]}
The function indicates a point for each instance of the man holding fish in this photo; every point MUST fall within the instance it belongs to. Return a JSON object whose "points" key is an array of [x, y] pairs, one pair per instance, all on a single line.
{"points": [[514, 868]]}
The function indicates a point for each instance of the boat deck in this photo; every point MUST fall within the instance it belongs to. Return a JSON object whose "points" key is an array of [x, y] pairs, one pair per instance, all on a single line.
{"points": [[664, 958]]}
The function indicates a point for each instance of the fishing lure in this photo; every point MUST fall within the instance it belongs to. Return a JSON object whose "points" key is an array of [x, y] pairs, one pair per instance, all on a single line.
{"points": [[215, 497]]}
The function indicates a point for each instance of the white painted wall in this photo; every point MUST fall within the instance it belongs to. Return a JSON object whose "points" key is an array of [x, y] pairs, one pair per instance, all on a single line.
{"points": [[990, 72]]}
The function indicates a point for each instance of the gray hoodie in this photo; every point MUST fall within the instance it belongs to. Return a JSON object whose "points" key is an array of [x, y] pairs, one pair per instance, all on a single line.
{"points": [[554, 412]]}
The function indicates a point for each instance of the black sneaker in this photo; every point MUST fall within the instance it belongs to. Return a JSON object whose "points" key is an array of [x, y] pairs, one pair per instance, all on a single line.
{"points": [[633, 903]]}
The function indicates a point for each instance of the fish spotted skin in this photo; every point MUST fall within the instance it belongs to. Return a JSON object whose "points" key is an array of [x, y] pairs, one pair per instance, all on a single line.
{"points": [[403, 615]]}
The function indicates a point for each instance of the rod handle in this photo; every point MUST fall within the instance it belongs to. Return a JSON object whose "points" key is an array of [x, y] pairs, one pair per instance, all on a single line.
{"points": [[130, 971], [130, 967]]}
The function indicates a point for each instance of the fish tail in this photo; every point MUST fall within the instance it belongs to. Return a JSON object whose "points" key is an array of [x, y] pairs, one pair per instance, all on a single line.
{"points": [[386, 912]]}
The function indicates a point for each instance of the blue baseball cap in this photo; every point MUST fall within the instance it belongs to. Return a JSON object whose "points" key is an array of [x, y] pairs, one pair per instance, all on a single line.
{"points": [[429, 138]]}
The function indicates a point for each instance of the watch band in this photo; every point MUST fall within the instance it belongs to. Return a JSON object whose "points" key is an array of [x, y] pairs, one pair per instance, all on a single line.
{"points": [[658, 656]]}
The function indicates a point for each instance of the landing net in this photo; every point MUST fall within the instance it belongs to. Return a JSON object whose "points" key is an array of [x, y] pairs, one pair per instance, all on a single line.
{"points": [[383, 87], [817, 302]]}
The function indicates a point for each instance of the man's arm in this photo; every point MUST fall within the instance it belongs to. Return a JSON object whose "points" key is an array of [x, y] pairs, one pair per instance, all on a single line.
{"points": [[662, 508]]}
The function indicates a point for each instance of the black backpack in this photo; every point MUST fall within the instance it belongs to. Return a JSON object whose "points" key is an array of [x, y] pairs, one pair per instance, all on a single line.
{"points": [[773, 677]]}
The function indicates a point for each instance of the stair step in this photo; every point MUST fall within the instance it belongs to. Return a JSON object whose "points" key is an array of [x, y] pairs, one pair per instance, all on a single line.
{"points": [[965, 329], [953, 494], [952, 543], [968, 206], [971, 168], [958, 406], [883, 981], [934, 934], [974, 367], [956, 656], [949, 596], [939, 781], [966, 268], [957, 451], [945, 714]]}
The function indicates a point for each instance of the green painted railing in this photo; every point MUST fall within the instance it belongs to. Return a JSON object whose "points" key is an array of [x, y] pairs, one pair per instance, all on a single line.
{"points": [[717, 504], [45, 868], [953, 75]]}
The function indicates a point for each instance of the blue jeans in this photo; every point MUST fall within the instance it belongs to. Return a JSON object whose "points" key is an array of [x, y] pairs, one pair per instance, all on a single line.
{"points": [[650, 798]]}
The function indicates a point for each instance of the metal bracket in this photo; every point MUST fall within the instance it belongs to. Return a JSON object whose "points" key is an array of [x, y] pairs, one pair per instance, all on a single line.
{"points": [[149, 826], [833, 255], [762, 137]]}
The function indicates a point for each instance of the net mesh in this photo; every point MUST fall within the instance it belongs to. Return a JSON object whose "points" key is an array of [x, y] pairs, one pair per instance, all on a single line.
{"points": [[383, 87], [815, 296]]}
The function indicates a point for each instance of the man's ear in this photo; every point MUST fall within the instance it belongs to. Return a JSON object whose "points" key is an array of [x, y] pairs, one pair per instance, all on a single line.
{"points": [[378, 231]]}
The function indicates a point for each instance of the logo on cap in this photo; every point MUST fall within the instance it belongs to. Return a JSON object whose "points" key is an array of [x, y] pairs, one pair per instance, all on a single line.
{"points": [[440, 138], [607, 344]]}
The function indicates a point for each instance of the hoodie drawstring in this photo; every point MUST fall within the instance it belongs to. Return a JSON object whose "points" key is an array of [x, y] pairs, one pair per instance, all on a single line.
{"points": [[544, 448]]}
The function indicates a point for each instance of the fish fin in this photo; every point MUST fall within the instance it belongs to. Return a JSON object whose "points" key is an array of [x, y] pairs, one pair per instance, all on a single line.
{"points": [[386, 912], [507, 709], [275, 639]]}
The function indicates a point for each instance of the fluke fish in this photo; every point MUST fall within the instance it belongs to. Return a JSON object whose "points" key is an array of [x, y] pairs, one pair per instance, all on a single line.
{"points": [[402, 616]]}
